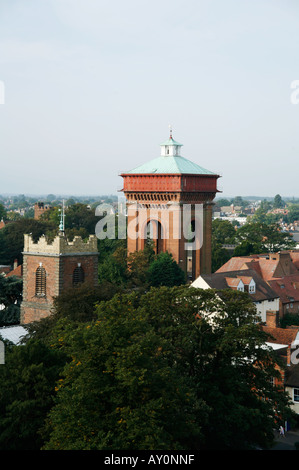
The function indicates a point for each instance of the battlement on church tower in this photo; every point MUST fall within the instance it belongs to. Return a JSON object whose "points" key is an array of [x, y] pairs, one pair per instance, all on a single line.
{"points": [[60, 246]]}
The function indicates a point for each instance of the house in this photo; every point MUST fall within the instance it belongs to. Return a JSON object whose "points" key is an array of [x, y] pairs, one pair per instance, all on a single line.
{"points": [[247, 280], [16, 271], [292, 385], [279, 270], [285, 342]]}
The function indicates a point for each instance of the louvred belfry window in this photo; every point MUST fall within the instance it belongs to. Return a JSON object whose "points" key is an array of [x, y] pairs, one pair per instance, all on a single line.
{"points": [[40, 282], [78, 276]]}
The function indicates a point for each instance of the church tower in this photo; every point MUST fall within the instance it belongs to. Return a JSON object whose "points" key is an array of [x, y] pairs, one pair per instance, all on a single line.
{"points": [[51, 268], [170, 199]]}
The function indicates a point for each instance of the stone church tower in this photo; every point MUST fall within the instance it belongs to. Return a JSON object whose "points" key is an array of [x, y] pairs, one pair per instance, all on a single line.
{"points": [[51, 268], [170, 199]]}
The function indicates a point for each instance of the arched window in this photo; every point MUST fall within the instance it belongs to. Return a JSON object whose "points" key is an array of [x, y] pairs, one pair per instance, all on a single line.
{"points": [[40, 282], [154, 232], [78, 275]]}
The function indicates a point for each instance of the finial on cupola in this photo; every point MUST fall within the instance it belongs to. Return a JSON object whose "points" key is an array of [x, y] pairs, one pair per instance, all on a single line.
{"points": [[61, 225]]}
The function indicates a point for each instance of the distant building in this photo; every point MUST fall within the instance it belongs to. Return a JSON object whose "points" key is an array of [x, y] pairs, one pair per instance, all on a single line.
{"points": [[40, 208]]}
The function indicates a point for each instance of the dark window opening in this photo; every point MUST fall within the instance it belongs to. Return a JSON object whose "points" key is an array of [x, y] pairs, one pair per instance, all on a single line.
{"points": [[40, 282], [78, 276]]}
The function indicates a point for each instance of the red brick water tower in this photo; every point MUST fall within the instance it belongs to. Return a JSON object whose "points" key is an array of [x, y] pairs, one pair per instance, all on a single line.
{"points": [[162, 196]]}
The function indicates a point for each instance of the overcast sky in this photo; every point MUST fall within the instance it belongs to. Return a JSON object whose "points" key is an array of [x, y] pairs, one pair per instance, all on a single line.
{"points": [[91, 87]]}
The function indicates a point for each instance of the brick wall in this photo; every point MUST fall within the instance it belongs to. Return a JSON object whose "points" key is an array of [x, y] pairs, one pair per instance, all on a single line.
{"points": [[59, 259]]}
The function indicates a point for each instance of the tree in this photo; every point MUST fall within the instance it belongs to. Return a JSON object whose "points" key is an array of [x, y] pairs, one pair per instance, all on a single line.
{"points": [[112, 271], [27, 388], [144, 402], [2, 212], [260, 215], [152, 372], [276, 240], [10, 298], [245, 248], [80, 216], [12, 237], [223, 231], [263, 238], [220, 255], [239, 201], [278, 202], [223, 202], [257, 407], [139, 265], [165, 271], [293, 213]]}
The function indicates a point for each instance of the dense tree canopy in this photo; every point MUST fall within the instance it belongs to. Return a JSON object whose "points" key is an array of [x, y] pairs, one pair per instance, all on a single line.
{"points": [[142, 371], [264, 237], [293, 213], [2, 212]]}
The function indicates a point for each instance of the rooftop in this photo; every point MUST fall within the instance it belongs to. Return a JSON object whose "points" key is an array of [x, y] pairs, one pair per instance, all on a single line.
{"points": [[13, 333], [174, 164], [225, 280]]}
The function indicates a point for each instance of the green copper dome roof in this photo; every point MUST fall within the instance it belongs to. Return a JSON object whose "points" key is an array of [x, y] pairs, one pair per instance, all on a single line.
{"points": [[171, 162]]}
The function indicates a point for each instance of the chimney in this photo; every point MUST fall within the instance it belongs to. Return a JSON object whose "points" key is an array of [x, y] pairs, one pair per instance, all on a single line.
{"points": [[272, 318], [15, 264]]}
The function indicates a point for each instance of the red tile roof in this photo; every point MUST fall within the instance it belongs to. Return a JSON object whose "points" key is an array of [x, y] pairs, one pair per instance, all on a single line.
{"points": [[286, 287], [16, 272], [281, 335]]}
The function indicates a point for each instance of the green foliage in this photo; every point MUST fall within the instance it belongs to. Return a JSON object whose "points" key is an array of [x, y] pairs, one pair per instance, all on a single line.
{"points": [[112, 271], [239, 201], [293, 213], [278, 202], [79, 216], [139, 264], [149, 374], [164, 271], [10, 298], [223, 231], [12, 237], [289, 319], [223, 202], [219, 255], [264, 238], [141, 269], [2, 212], [27, 381], [141, 371]]}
